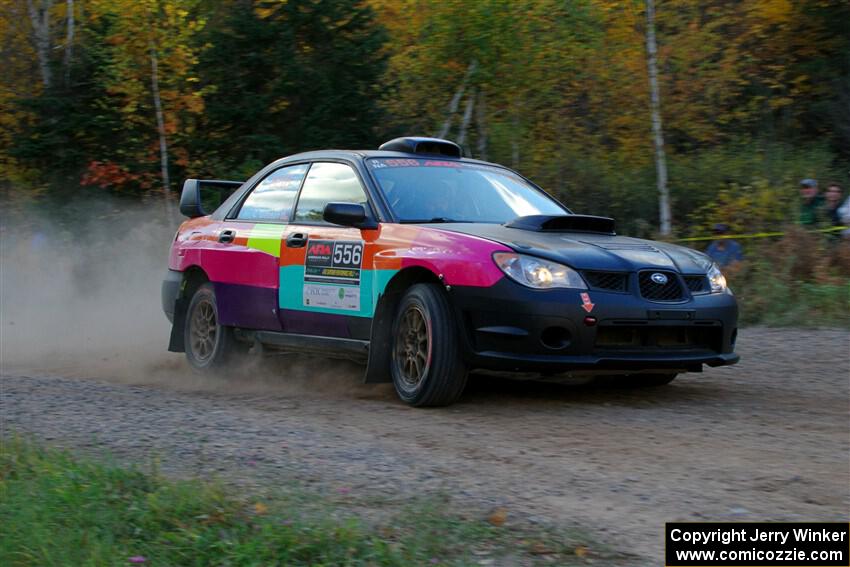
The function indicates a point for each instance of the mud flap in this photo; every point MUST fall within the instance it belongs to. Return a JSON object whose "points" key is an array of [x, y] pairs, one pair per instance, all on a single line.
{"points": [[380, 341], [176, 343]]}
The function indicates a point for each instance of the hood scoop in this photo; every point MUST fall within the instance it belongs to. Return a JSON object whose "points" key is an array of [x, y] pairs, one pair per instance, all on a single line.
{"points": [[626, 247], [563, 223]]}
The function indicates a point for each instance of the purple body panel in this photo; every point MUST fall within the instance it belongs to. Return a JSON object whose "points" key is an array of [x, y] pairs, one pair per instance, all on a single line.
{"points": [[311, 323], [247, 306]]}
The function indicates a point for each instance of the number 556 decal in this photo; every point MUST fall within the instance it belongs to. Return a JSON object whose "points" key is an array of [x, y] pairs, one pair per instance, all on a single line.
{"points": [[347, 254]]}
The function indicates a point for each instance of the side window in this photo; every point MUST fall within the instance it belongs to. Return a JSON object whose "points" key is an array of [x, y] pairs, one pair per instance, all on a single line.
{"points": [[273, 198], [328, 183]]}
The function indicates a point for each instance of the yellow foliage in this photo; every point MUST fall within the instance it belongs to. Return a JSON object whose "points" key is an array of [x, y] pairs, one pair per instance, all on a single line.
{"points": [[746, 209]]}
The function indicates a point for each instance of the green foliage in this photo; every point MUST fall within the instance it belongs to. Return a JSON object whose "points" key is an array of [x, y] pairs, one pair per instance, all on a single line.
{"points": [[279, 78], [59, 510], [749, 186], [67, 125], [799, 279]]}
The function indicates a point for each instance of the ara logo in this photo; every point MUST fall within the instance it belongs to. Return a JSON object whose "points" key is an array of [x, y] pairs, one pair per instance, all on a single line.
{"points": [[658, 278], [319, 250]]}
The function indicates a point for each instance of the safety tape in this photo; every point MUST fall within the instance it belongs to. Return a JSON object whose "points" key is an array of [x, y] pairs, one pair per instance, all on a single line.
{"points": [[757, 235]]}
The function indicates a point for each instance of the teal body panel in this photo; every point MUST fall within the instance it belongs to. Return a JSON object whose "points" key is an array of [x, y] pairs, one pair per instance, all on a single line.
{"points": [[372, 285]]}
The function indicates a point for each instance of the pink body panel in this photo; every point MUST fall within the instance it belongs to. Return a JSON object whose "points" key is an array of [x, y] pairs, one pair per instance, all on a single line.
{"points": [[232, 263], [240, 265], [460, 259]]}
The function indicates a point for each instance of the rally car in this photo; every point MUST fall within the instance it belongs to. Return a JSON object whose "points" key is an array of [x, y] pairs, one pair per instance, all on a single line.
{"points": [[426, 265]]}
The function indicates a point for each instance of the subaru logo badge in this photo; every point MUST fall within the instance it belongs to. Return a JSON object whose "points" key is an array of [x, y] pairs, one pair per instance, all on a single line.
{"points": [[660, 279]]}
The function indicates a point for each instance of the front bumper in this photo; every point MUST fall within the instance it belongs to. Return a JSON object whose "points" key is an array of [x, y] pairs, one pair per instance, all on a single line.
{"points": [[508, 327]]}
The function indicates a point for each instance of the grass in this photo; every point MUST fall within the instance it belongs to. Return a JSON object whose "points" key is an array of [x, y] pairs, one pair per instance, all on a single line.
{"points": [[57, 509]]}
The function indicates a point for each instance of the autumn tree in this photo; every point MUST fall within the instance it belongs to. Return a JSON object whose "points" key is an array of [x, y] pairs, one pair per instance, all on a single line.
{"points": [[282, 77], [151, 71]]}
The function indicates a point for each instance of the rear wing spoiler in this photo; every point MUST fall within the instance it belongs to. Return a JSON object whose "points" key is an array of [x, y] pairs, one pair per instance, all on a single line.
{"points": [[201, 197]]}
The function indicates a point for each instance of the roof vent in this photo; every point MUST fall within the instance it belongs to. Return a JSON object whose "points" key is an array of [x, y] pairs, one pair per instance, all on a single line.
{"points": [[416, 145]]}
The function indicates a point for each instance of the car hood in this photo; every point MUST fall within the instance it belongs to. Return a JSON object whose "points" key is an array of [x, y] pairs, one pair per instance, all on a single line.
{"points": [[587, 250]]}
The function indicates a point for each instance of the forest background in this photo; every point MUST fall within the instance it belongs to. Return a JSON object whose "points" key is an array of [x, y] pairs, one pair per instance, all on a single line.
{"points": [[117, 101]]}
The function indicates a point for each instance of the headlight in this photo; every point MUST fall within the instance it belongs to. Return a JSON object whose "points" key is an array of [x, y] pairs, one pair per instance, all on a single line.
{"points": [[716, 279], [537, 272]]}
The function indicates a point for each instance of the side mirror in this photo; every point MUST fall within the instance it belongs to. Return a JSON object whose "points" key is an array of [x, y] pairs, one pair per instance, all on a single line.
{"points": [[348, 214], [200, 197]]}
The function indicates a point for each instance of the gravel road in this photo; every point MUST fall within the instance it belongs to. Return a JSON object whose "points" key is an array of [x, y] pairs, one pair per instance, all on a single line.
{"points": [[768, 439]]}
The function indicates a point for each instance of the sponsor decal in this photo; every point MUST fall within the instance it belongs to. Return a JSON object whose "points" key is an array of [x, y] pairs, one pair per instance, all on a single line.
{"points": [[382, 163], [332, 274], [379, 163], [332, 296], [319, 251], [432, 163], [585, 302]]}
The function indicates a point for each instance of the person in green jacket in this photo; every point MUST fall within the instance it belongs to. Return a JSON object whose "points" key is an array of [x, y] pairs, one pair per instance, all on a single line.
{"points": [[811, 203]]}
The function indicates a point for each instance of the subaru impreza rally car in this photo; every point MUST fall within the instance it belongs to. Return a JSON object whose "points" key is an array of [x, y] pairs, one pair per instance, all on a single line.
{"points": [[426, 265]]}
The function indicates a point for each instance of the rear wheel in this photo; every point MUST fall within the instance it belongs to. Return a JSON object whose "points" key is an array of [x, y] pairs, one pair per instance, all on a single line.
{"points": [[208, 344], [426, 364]]}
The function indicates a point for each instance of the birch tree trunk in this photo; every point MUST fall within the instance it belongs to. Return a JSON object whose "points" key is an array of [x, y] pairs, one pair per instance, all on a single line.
{"points": [[514, 141], [657, 130], [40, 19], [69, 40], [455, 103], [467, 118], [481, 122], [160, 126]]}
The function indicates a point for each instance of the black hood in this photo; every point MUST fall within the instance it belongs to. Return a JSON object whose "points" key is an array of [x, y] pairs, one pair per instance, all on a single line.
{"points": [[589, 250]]}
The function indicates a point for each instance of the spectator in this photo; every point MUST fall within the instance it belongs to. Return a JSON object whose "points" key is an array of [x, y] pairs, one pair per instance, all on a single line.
{"points": [[724, 251], [832, 204], [811, 202], [844, 216]]}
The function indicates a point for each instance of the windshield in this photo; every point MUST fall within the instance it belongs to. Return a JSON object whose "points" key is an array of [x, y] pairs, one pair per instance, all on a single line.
{"points": [[429, 190]]}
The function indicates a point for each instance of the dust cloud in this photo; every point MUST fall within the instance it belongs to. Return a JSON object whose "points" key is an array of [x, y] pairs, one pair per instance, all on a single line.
{"points": [[81, 299]]}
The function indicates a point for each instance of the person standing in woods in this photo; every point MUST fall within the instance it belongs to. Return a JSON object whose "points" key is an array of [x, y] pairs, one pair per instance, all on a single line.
{"points": [[724, 251], [832, 204], [844, 216], [811, 202]]}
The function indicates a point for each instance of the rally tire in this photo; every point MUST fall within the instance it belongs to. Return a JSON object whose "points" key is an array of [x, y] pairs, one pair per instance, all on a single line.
{"points": [[426, 364], [208, 345]]}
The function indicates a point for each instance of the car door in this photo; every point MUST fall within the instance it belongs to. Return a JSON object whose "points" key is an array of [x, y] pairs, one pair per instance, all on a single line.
{"points": [[244, 262], [325, 275]]}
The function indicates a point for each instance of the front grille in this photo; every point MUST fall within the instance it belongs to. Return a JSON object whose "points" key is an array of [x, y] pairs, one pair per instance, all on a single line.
{"points": [[608, 281], [671, 290], [654, 338], [697, 284]]}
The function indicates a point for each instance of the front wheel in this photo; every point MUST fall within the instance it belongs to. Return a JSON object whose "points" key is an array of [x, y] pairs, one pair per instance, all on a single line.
{"points": [[209, 345], [426, 365]]}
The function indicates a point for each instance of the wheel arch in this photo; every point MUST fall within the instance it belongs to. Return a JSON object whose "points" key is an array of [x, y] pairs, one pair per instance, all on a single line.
{"points": [[380, 337]]}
